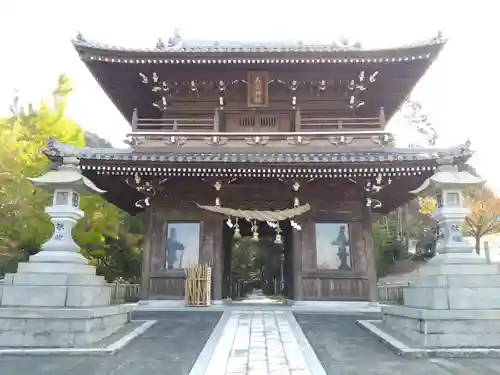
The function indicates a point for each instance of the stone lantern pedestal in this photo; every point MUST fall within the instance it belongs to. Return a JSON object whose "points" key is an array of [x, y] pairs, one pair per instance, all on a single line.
{"points": [[454, 301], [56, 299]]}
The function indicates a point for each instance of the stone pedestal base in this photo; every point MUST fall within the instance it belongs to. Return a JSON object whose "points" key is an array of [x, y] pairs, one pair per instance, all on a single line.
{"points": [[60, 327], [55, 285], [450, 306], [445, 328], [51, 304]]}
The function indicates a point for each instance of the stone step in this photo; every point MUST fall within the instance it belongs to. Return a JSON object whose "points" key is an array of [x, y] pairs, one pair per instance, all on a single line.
{"points": [[64, 268], [64, 313], [53, 279], [55, 296], [454, 281], [460, 269], [452, 298], [433, 314], [61, 327]]}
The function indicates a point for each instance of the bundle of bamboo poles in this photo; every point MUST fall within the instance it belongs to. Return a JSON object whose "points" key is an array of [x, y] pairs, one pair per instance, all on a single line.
{"points": [[198, 285]]}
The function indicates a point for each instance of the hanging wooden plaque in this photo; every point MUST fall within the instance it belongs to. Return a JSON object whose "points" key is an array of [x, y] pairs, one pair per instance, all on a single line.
{"points": [[258, 89]]}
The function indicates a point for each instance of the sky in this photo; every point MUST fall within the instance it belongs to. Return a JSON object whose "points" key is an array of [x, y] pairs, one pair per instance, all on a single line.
{"points": [[458, 92]]}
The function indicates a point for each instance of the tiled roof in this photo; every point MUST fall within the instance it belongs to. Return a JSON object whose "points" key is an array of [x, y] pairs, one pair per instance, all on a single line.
{"points": [[270, 156], [204, 46]]}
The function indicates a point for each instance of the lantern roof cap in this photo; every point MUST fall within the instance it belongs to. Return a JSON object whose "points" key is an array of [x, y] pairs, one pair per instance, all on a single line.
{"points": [[67, 175], [447, 175]]}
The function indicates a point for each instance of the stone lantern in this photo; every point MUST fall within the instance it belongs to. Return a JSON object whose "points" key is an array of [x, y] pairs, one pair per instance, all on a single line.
{"points": [[448, 185], [56, 299], [453, 300], [67, 185]]}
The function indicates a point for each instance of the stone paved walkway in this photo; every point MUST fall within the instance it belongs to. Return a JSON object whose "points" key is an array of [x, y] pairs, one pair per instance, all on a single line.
{"points": [[258, 343]]}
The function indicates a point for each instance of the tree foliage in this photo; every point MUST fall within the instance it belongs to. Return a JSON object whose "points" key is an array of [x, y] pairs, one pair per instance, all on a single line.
{"points": [[483, 218], [22, 138], [387, 242], [484, 214], [104, 233]]}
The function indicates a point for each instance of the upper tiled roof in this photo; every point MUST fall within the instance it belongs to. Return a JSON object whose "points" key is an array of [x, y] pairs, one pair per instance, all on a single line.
{"points": [[179, 45]]}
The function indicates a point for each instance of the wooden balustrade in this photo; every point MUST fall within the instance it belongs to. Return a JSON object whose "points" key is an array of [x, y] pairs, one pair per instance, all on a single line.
{"points": [[199, 124], [347, 123], [203, 130], [206, 124], [188, 122]]}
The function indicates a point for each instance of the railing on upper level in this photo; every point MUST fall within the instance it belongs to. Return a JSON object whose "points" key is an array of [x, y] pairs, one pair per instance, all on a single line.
{"points": [[193, 122], [304, 121], [175, 125], [325, 123], [307, 122], [203, 130]]}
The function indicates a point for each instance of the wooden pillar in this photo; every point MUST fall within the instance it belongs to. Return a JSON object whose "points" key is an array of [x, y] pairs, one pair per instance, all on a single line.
{"points": [[382, 119], [216, 120], [298, 294], [146, 255], [210, 251], [220, 119], [218, 261], [135, 119], [371, 271], [297, 120]]}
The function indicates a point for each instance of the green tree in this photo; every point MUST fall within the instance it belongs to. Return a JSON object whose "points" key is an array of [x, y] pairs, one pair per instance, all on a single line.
{"points": [[120, 257], [104, 233], [23, 136], [387, 242]]}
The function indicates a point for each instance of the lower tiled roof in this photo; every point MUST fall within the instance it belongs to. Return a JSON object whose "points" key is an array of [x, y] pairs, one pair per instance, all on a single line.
{"points": [[462, 152]]}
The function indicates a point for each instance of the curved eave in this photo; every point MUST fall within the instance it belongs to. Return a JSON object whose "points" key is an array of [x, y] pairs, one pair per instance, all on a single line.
{"points": [[91, 51], [400, 192]]}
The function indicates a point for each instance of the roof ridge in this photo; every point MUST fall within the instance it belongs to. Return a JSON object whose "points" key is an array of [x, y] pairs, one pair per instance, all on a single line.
{"points": [[177, 44]]}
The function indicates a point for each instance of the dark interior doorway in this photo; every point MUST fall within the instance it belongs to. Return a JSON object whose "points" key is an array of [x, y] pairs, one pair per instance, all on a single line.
{"points": [[253, 268]]}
